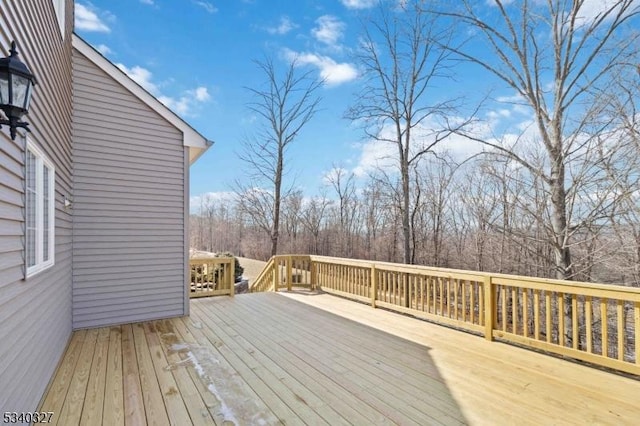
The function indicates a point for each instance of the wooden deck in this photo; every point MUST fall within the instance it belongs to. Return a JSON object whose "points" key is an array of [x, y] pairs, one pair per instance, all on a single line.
{"points": [[304, 358]]}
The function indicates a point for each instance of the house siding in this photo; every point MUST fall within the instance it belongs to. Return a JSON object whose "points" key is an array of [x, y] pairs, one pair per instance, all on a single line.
{"points": [[130, 169], [35, 312]]}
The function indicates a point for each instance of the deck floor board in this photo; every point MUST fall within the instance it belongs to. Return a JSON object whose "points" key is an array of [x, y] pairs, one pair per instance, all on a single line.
{"points": [[321, 385], [378, 357], [305, 358], [114, 394], [370, 369]]}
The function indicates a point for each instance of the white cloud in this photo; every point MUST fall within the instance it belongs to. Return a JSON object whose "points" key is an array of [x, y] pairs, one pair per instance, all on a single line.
{"points": [[181, 105], [499, 113], [150, 2], [592, 8], [332, 72], [185, 103], [329, 30], [201, 94], [206, 6], [517, 103], [104, 49], [358, 4], [376, 155], [589, 10], [510, 99], [335, 174], [88, 20], [461, 147], [140, 75], [283, 27], [382, 155], [201, 202]]}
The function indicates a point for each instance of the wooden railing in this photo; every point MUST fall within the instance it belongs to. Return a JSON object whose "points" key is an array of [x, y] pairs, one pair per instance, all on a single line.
{"points": [[211, 276], [591, 322], [284, 272]]}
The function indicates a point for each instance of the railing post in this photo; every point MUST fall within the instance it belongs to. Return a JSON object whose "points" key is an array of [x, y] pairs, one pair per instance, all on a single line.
{"points": [[489, 307], [406, 290], [289, 272], [374, 285], [276, 274], [636, 329], [312, 280], [231, 279]]}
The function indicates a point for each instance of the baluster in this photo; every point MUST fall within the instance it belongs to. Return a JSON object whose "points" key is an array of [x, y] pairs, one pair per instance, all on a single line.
{"points": [[548, 308], [620, 330], [587, 308], [604, 325]]}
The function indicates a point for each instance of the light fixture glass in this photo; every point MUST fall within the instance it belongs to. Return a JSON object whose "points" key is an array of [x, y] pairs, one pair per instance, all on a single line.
{"points": [[16, 83]]}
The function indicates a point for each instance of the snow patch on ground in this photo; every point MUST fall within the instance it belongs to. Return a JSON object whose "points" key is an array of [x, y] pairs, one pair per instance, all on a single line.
{"points": [[226, 412], [235, 406]]}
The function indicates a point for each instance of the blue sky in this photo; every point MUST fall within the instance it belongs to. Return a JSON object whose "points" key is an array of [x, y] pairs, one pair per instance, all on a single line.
{"points": [[196, 57]]}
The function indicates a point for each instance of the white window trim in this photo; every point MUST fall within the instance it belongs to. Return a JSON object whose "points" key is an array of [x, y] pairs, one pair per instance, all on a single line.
{"points": [[41, 161], [59, 7]]}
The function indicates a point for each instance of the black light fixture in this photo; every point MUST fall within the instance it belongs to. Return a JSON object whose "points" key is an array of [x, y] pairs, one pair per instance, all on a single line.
{"points": [[16, 83]]}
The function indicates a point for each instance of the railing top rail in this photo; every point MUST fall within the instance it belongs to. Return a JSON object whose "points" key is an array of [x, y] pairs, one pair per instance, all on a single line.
{"points": [[507, 279], [210, 259], [595, 289], [265, 270]]}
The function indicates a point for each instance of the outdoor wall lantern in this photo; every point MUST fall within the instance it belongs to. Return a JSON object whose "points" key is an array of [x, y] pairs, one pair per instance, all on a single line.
{"points": [[16, 83]]}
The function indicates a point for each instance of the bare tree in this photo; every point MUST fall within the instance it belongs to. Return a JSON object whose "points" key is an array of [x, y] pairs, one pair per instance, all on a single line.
{"points": [[292, 215], [402, 60], [374, 207], [283, 106], [313, 217], [343, 183], [436, 177], [555, 55], [623, 169]]}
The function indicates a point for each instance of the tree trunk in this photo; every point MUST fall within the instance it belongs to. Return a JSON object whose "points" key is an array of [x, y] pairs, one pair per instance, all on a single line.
{"points": [[562, 255], [561, 251], [406, 194], [276, 204]]}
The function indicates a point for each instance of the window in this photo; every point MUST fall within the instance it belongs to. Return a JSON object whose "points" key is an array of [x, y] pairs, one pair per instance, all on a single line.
{"points": [[40, 210], [59, 7]]}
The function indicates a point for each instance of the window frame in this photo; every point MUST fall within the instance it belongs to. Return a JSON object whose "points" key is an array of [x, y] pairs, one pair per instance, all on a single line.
{"points": [[41, 162], [59, 6]]}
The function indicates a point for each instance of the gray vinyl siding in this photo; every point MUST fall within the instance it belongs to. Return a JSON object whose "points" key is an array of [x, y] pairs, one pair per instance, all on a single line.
{"points": [[128, 205], [35, 313]]}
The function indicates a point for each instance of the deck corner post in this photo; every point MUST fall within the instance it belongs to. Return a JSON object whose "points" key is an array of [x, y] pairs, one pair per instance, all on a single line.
{"points": [[489, 307], [312, 268], [374, 285]]}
